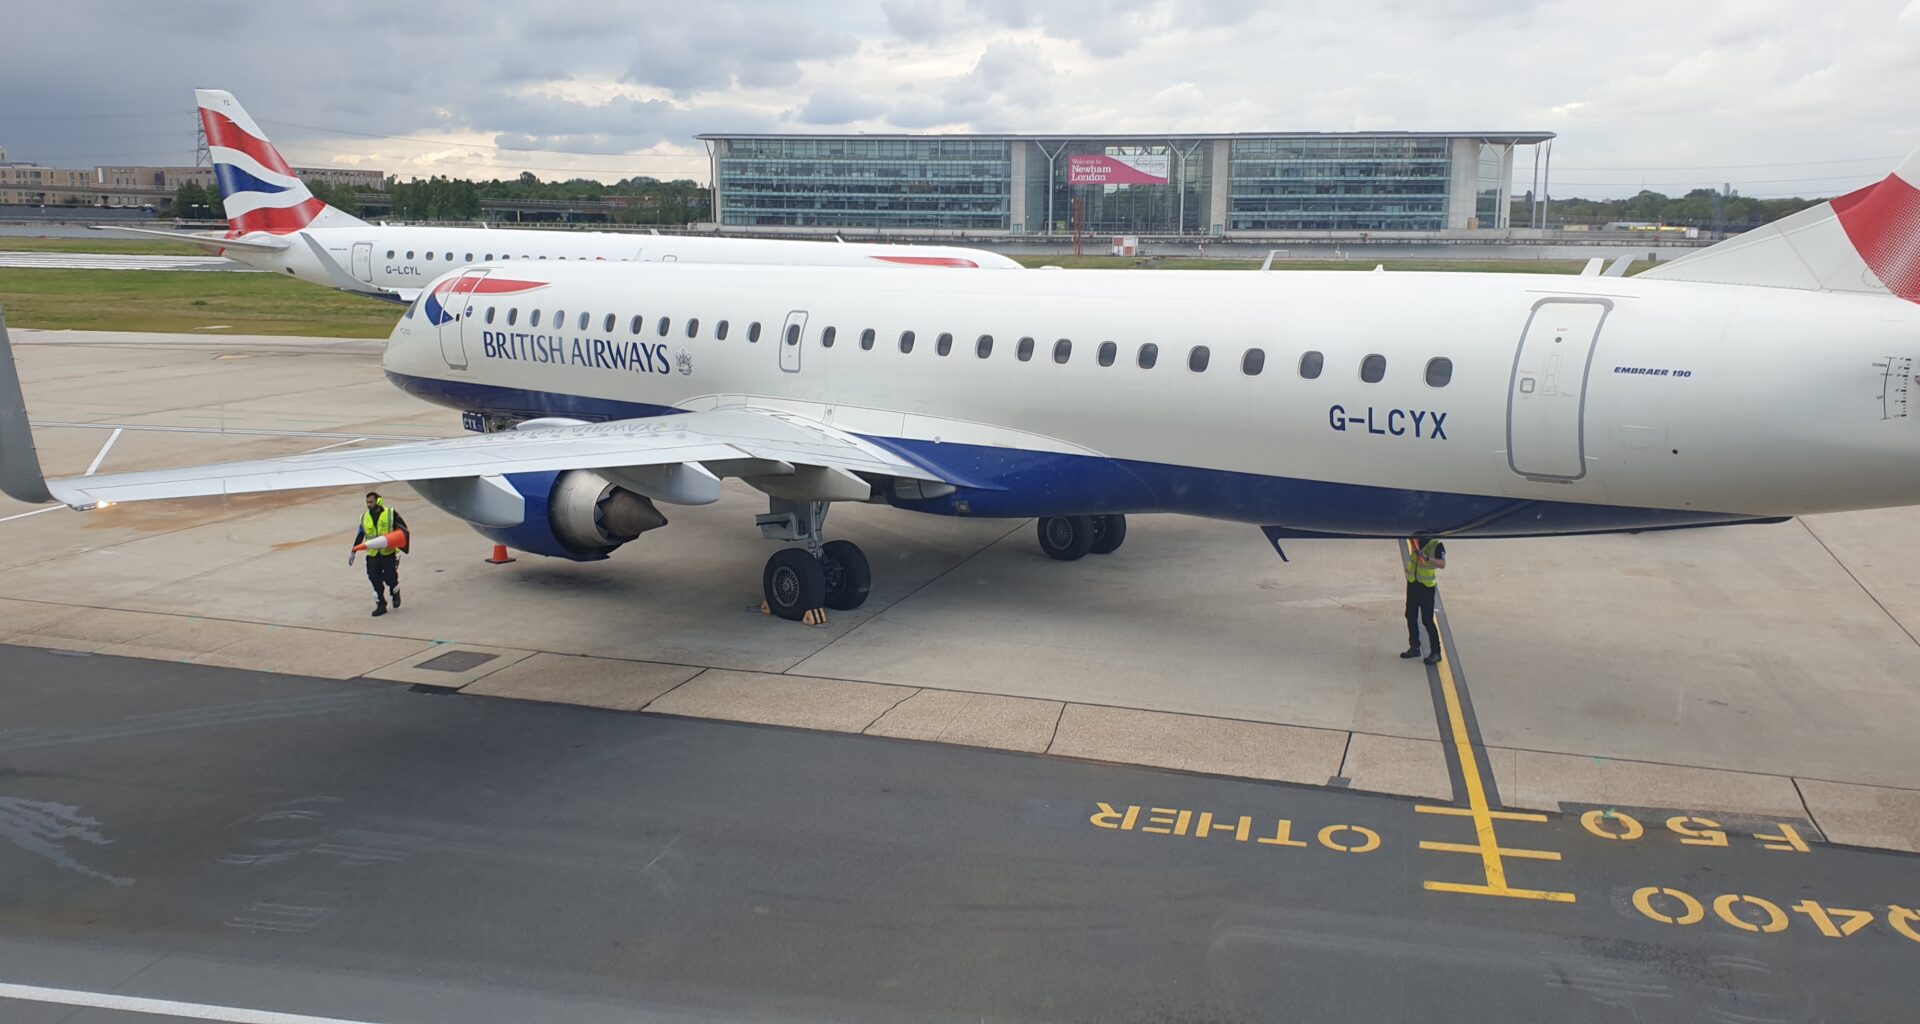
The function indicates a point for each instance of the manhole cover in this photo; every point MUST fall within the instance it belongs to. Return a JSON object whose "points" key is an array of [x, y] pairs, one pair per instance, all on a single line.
{"points": [[457, 661]]}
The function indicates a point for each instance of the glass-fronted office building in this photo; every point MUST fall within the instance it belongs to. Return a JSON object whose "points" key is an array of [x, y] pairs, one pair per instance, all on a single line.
{"points": [[1243, 184]]}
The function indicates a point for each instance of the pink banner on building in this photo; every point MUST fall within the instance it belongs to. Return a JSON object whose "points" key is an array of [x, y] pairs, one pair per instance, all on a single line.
{"points": [[1117, 170]]}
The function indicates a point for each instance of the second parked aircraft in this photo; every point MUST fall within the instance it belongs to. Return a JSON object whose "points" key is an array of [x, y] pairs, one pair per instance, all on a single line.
{"points": [[276, 224]]}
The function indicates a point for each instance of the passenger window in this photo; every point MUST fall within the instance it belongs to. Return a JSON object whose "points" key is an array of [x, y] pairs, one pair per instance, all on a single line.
{"points": [[1197, 359], [1373, 368], [1108, 352], [826, 337], [1311, 364], [666, 324], [533, 319], [753, 331], [983, 346], [943, 344], [1149, 355], [793, 334], [585, 319], [513, 313], [906, 341], [1439, 372], [1062, 351], [559, 319], [720, 331], [389, 253], [1253, 362], [489, 314], [693, 326], [607, 327], [409, 253], [449, 257], [866, 339], [489, 257], [634, 326], [469, 257], [1024, 350]]}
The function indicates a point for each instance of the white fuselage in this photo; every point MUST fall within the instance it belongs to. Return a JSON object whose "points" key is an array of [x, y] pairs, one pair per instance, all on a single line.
{"points": [[404, 258], [1742, 402]]}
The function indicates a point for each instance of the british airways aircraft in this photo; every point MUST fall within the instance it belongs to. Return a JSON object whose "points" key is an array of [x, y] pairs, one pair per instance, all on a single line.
{"points": [[276, 224], [1768, 376]]}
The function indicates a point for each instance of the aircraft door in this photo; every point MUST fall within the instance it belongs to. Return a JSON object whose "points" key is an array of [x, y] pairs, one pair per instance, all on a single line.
{"points": [[363, 261], [791, 336], [1547, 396], [453, 309]]}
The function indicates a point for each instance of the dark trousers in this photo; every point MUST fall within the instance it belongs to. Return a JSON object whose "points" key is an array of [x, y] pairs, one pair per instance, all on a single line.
{"points": [[1420, 612], [383, 570]]}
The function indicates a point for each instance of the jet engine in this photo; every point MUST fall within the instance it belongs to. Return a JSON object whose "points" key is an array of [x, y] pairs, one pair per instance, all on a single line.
{"points": [[576, 514]]}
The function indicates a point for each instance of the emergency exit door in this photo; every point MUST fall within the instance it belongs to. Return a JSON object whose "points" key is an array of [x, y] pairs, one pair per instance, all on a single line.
{"points": [[363, 261], [1547, 398], [791, 334]]}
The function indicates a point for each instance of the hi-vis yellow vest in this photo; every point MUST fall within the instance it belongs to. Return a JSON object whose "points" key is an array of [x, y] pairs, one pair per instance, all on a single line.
{"points": [[382, 525], [1425, 575]]}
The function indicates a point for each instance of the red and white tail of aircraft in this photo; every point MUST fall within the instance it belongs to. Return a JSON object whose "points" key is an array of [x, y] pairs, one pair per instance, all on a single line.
{"points": [[1865, 241], [258, 188]]}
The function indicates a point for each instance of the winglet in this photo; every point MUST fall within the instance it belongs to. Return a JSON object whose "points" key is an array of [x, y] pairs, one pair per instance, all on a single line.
{"points": [[20, 476]]}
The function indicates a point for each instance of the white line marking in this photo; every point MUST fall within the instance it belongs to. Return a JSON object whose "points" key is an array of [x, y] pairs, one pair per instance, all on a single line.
{"points": [[336, 444], [35, 512], [102, 457], [160, 1007]]}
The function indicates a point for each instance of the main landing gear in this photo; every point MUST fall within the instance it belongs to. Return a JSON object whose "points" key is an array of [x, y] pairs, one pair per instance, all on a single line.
{"points": [[1070, 537], [801, 581]]}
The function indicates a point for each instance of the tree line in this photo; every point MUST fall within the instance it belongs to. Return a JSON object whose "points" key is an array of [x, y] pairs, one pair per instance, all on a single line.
{"points": [[1702, 207], [638, 200]]}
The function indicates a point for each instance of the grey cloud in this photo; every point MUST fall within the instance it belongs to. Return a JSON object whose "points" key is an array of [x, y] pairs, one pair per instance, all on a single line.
{"points": [[835, 105]]}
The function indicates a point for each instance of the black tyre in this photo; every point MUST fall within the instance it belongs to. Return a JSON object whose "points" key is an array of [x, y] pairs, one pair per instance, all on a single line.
{"points": [[794, 583], [1066, 537], [848, 577], [1109, 532]]}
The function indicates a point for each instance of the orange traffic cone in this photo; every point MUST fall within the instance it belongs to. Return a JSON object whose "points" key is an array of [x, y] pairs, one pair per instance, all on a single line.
{"points": [[500, 556], [385, 542]]}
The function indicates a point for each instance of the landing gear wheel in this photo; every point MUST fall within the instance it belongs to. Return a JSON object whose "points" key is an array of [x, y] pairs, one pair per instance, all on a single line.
{"points": [[794, 583], [1066, 537], [848, 577], [1109, 532]]}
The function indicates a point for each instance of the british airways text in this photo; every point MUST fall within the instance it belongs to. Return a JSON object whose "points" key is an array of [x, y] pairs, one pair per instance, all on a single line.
{"points": [[594, 353], [1390, 422]]}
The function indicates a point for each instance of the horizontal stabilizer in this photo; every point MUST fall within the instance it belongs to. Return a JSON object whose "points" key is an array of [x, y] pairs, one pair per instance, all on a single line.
{"points": [[211, 243]]}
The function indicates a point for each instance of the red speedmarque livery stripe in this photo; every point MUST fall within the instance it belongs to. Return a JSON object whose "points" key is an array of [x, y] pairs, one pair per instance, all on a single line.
{"points": [[221, 131], [276, 220], [929, 261], [1883, 222]]}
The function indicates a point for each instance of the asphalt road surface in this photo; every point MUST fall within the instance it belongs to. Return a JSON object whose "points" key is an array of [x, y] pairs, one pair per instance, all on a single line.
{"points": [[209, 843]]}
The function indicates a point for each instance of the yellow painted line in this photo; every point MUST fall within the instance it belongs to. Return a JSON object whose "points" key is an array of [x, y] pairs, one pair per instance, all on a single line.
{"points": [[1504, 851], [1489, 890], [1488, 844]]}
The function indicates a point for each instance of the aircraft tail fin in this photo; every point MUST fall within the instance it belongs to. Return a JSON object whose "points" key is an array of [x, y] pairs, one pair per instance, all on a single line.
{"points": [[257, 186], [1866, 241]]}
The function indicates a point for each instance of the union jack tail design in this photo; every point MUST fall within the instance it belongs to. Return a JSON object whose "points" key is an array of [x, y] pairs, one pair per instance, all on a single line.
{"points": [[260, 191], [1865, 241]]}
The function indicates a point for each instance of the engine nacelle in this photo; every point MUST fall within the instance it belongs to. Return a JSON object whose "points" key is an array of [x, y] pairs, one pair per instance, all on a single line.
{"points": [[577, 514]]}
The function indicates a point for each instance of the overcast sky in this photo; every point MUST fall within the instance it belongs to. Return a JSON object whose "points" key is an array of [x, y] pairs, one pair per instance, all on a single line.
{"points": [[1776, 97]]}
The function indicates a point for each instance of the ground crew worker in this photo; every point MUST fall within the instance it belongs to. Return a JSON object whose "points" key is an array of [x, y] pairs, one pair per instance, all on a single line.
{"points": [[383, 567], [1423, 560]]}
